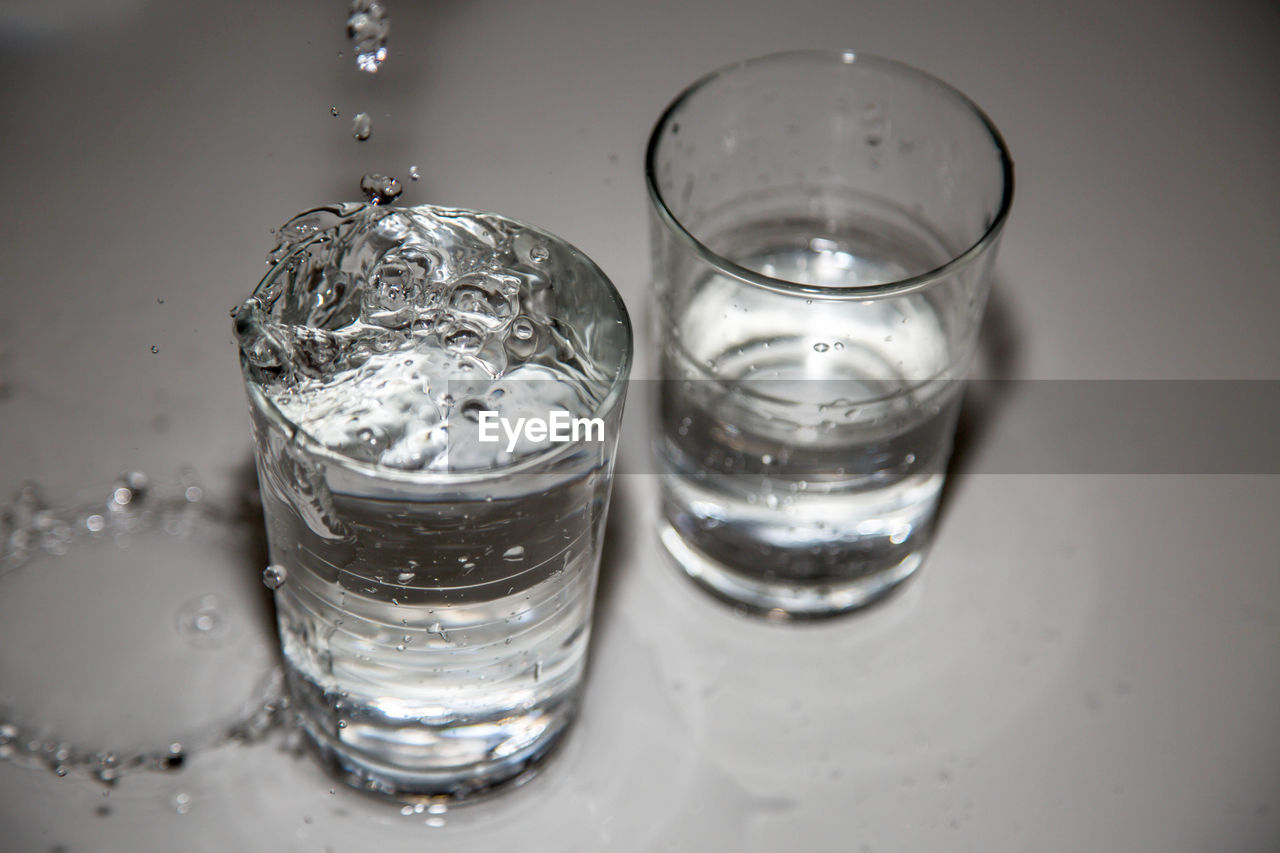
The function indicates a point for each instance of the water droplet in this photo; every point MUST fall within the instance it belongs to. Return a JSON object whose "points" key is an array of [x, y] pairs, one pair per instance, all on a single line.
{"points": [[155, 350], [821, 347], [514, 553], [361, 126], [368, 28], [766, 459], [342, 724], [838, 345], [333, 111], [274, 576], [95, 523], [414, 174], [539, 254], [406, 810], [379, 189], [181, 802]]}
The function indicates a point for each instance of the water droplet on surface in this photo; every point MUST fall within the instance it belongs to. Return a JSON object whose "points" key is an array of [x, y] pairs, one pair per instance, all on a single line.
{"points": [[274, 576], [414, 174], [368, 27], [380, 189], [361, 126], [821, 347]]}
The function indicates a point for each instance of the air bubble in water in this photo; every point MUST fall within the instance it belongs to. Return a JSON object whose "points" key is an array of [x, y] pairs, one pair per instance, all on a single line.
{"points": [[368, 28], [539, 254], [414, 174], [274, 576], [522, 328], [379, 189], [361, 126], [821, 347], [464, 341]]}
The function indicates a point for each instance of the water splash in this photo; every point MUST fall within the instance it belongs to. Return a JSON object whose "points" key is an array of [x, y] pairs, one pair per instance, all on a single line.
{"points": [[132, 506], [368, 27]]}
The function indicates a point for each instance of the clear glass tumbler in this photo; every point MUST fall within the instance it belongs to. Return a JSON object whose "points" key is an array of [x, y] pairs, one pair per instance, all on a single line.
{"points": [[823, 229], [434, 587]]}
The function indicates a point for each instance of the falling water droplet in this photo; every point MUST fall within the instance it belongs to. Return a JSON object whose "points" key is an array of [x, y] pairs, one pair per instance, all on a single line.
{"points": [[155, 350], [368, 28], [333, 111], [361, 126], [414, 174], [274, 576], [380, 189]]}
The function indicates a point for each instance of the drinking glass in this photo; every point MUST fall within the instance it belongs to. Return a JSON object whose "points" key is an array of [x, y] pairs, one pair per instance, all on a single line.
{"points": [[434, 593], [823, 229]]}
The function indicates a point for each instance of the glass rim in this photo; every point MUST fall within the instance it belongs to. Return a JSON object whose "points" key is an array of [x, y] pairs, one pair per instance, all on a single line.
{"points": [[780, 285], [300, 437]]}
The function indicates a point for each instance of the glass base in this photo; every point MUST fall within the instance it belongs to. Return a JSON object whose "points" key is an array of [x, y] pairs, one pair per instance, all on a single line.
{"points": [[457, 782], [779, 599]]}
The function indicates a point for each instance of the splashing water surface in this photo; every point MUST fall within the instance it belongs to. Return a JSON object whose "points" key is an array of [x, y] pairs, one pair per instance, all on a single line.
{"points": [[368, 27]]}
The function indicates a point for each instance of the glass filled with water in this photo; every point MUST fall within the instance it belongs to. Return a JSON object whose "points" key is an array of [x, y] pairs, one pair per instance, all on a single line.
{"points": [[823, 229], [434, 586]]}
